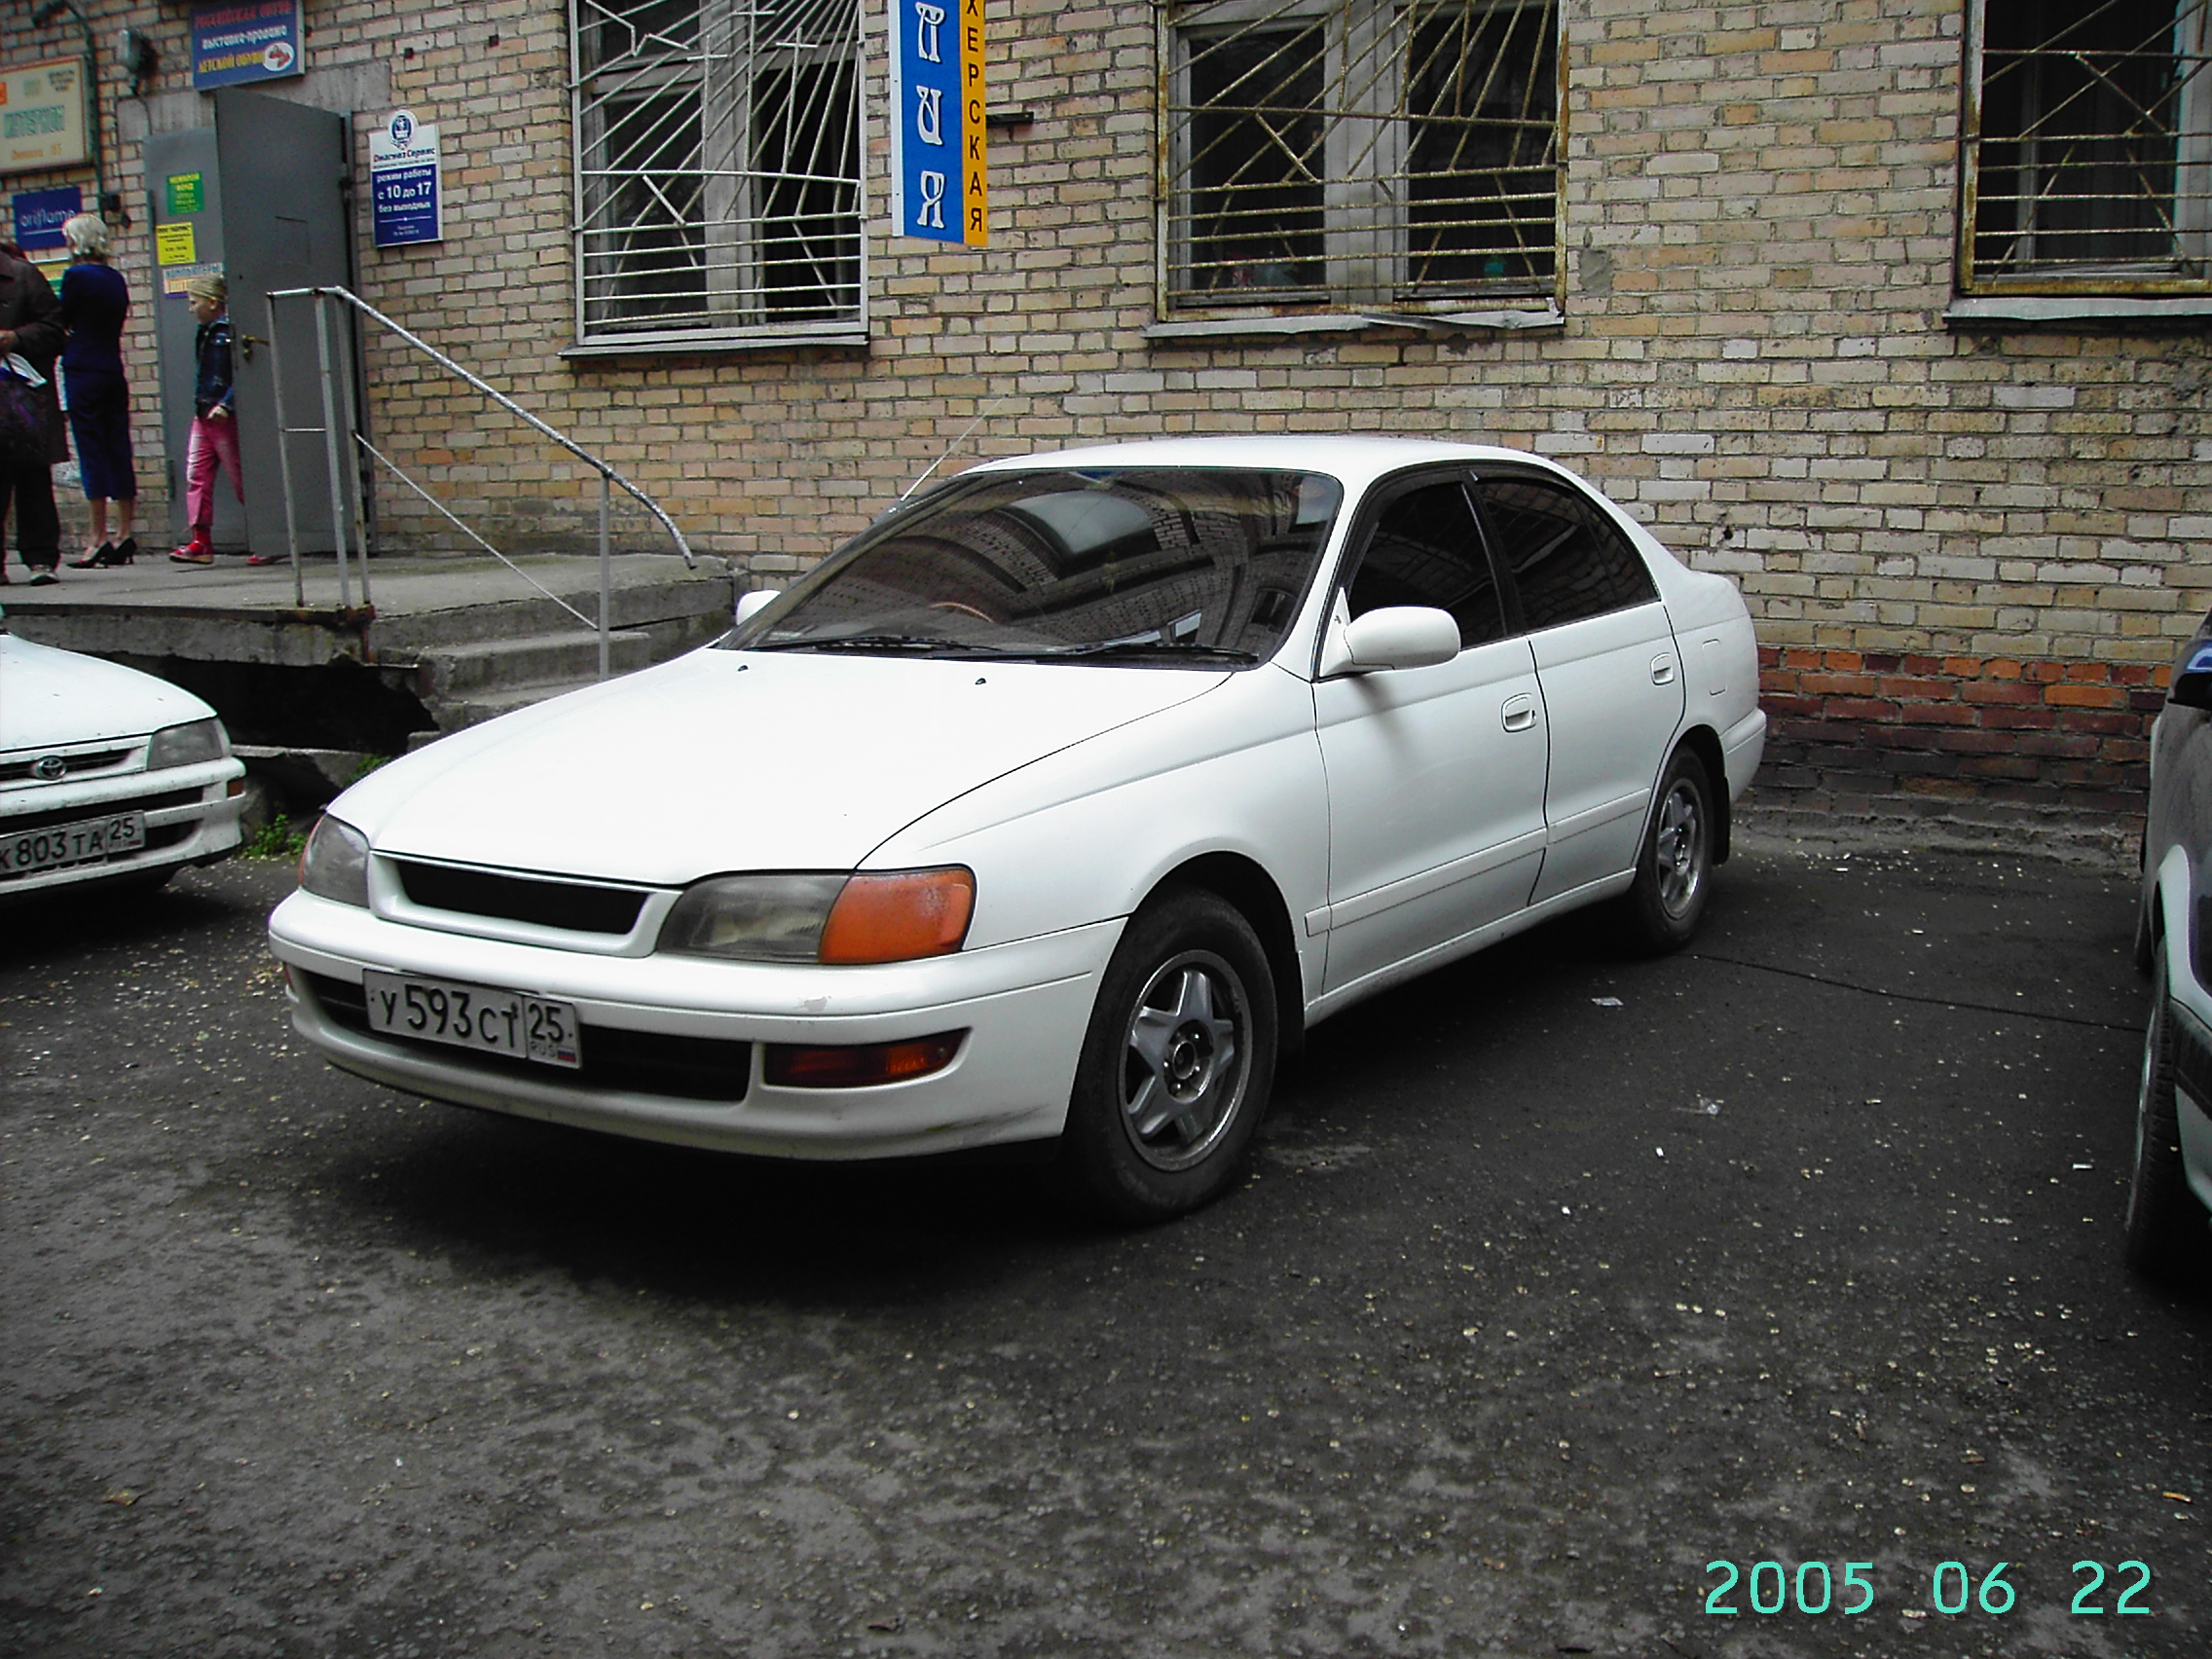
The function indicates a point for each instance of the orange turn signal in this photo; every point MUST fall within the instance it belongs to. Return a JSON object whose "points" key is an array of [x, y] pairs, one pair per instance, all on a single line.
{"points": [[788, 1065], [899, 915]]}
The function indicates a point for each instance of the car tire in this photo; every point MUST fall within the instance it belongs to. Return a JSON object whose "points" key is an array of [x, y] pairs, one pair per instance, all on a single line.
{"points": [[1177, 1063], [1673, 867], [2166, 1225]]}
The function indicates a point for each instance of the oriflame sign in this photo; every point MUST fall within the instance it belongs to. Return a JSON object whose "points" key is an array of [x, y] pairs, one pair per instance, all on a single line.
{"points": [[937, 187]]}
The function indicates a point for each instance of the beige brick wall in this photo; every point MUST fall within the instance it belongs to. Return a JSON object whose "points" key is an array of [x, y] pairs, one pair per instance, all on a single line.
{"points": [[1759, 220]]}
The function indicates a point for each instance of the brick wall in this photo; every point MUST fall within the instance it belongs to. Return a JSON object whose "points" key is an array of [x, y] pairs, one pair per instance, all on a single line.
{"points": [[1996, 741], [1759, 212]]}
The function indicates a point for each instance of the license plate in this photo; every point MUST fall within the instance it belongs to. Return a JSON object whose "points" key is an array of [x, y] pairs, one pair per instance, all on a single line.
{"points": [[29, 850], [490, 1021]]}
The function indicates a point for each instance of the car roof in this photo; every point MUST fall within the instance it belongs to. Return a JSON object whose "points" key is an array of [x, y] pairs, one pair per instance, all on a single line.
{"points": [[1357, 460]]}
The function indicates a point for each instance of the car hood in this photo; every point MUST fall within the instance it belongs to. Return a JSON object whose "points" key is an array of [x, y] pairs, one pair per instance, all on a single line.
{"points": [[733, 760], [49, 698]]}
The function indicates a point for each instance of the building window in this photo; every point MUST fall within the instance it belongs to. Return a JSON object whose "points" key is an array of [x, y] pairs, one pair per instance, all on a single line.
{"points": [[2089, 147], [1337, 152], [718, 169]]}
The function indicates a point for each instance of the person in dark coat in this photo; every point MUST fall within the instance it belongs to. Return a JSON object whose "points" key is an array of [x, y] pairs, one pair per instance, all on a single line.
{"points": [[31, 327], [94, 301]]}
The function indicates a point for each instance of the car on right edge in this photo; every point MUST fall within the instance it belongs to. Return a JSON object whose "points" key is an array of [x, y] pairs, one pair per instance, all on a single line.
{"points": [[2170, 1189]]}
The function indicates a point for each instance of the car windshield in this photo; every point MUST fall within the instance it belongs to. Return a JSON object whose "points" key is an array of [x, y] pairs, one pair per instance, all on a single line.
{"points": [[1138, 565]]}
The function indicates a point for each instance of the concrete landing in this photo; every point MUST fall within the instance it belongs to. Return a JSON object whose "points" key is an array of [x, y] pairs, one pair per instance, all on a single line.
{"points": [[439, 643]]}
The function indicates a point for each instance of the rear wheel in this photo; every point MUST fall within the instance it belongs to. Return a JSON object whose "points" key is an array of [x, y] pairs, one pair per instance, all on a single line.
{"points": [[2165, 1224], [1674, 868], [1178, 1061]]}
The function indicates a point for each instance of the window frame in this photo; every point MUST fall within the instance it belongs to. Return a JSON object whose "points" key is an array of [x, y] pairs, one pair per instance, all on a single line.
{"points": [[732, 212], [1356, 208], [1980, 288], [1501, 556]]}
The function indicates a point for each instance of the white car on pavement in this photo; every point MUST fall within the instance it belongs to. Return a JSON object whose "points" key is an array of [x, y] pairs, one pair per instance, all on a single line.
{"points": [[106, 775], [1058, 803]]}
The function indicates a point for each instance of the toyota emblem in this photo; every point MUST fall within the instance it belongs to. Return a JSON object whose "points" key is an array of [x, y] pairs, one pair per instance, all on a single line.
{"points": [[47, 769]]}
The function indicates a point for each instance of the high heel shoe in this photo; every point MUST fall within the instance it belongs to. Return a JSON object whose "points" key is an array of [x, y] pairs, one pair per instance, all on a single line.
{"points": [[122, 552], [103, 553]]}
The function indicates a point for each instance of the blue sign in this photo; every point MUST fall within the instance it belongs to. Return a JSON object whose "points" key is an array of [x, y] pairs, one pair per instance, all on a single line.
{"points": [[938, 177], [247, 40], [41, 213], [406, 179]]}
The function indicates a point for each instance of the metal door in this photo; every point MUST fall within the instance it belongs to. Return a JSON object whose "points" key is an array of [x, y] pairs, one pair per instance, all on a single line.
{"points": [[288, 173], [184, 204]]}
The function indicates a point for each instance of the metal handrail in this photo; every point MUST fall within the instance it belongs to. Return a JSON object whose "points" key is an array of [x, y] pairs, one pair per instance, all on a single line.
{"points": [[346, 481]]}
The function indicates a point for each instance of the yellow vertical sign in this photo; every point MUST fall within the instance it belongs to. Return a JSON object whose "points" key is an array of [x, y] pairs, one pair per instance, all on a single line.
{"points": [[974, 211]]}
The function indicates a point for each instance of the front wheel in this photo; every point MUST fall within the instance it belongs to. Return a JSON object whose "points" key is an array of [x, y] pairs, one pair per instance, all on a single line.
{"points": [[1673, 867], [1177, 1063], [2164, 1222]]}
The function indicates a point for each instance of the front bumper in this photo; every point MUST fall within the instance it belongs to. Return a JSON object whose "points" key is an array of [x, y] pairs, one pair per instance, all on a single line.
{"points": [[192, 817], [1024, 1007]]}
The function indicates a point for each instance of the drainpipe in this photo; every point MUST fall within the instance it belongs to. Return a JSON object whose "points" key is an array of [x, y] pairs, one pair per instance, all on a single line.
{"points": [[45, 15]]}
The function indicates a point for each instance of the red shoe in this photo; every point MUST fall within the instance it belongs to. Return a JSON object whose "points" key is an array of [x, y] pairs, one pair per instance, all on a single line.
{"points": [[194, 552], [265, 559]]}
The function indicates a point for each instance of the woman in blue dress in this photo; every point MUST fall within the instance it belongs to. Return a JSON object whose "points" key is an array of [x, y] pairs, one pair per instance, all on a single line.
{"points": [[94, 301]]}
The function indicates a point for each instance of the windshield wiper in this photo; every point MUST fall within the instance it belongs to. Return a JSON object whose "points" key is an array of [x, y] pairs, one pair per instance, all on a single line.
{"points": [[1147, 647], [875, 642]]}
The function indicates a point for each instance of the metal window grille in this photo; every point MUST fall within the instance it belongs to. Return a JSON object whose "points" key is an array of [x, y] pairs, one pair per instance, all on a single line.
{"points": [[2088, 145], [1360, 151], [718, 165]]}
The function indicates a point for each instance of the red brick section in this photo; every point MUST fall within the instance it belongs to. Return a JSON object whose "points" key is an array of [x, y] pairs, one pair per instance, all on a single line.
{"points": [[1862, 725]]}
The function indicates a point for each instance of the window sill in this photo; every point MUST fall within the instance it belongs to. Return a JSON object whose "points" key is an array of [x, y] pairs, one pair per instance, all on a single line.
{"points": [[2076, 310], [854, 334], [1541, 315]]}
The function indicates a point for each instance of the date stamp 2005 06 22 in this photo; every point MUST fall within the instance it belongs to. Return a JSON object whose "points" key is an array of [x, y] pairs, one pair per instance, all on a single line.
{"points": [[1814, 1589]]}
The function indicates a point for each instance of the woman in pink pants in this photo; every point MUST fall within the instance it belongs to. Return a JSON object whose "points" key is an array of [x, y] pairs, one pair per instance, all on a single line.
{"points": [[214, 429]]}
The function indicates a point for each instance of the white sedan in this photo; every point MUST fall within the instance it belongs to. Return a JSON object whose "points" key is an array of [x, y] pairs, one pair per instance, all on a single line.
{"points": [[1058, 803], [106, 775]]}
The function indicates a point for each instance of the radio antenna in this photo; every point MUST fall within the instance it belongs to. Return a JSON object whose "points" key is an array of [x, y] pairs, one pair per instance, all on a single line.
{"points": [[989, 409]]}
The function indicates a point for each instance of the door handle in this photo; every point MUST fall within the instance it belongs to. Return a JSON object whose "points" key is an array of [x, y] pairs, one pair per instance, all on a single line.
{"points": [[246, 344], [1518, 712], [1662, 671]]}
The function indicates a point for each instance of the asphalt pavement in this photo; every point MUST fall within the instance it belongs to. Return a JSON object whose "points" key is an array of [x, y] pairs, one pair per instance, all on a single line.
{"points": [[1560, 1277]]}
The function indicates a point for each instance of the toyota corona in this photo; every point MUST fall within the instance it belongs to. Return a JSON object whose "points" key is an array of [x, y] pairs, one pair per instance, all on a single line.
{"points": [[1057, 806]]}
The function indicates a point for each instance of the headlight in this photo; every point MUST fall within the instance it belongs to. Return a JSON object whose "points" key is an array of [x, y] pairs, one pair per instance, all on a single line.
{"points": [[187, 745], [335, 863], [894, 917]]}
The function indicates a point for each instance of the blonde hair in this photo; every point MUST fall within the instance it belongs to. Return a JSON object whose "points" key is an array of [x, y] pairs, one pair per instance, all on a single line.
{"points": [[209, 287], [86, 234]]}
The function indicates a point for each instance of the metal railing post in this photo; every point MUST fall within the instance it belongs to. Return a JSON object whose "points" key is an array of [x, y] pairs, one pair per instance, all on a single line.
{"points": [[284, 461], [353, 464], [606, 573], [330, 449]]}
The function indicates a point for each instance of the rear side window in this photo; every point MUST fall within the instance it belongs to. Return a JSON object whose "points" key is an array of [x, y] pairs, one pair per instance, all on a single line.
{"points": [[1568, 559], [1427, 549]]}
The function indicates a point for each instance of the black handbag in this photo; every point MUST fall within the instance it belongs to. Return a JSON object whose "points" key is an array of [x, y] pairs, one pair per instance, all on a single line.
{"points": [[22, 422]]}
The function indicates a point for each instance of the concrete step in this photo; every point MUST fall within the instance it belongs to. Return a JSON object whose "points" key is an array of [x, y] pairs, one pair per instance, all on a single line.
{"points": [[459, 714], [702, 597], [444, 673]]}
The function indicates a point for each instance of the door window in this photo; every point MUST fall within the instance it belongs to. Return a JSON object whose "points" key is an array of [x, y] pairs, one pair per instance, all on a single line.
{"points": [[1568, 559], [1427, 549]]}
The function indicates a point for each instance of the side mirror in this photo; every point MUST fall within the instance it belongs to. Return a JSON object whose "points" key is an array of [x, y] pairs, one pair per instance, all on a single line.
{"points": [[1396, 635], [750, 606]]}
